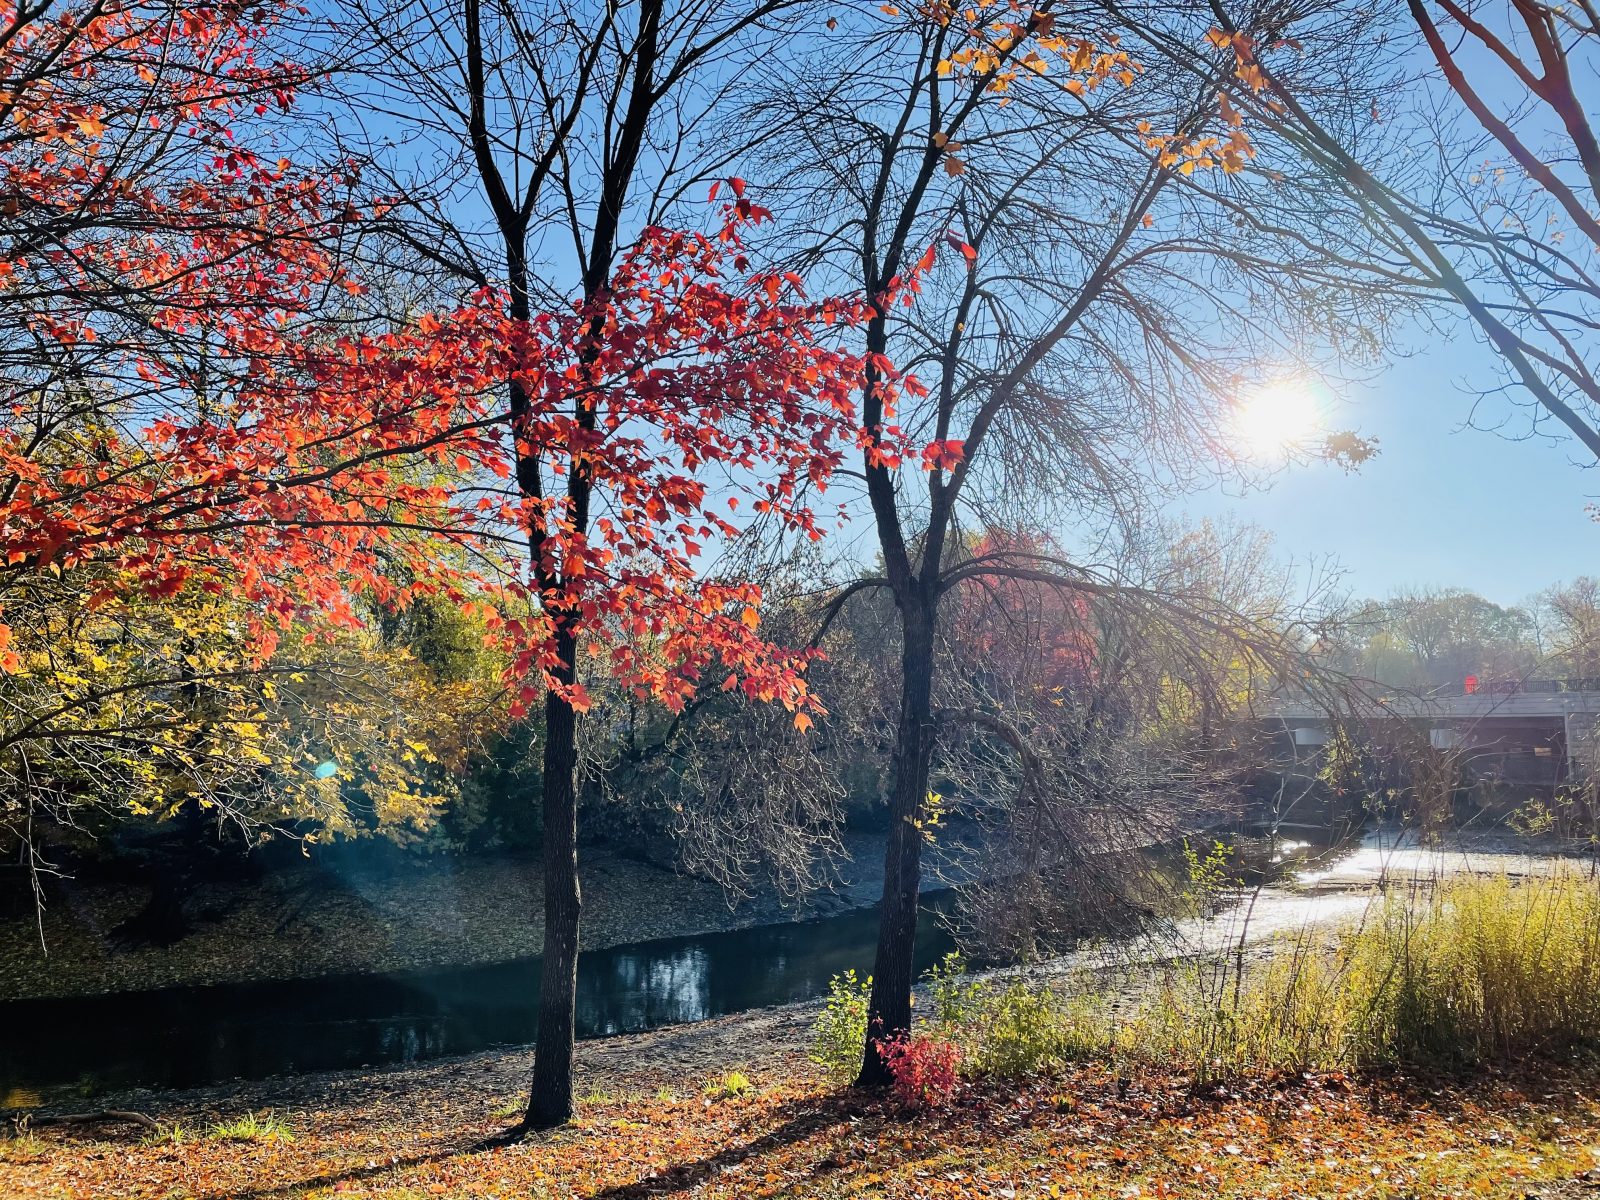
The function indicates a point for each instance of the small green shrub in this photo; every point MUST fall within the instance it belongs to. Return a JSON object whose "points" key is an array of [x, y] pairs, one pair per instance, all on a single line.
{"points": [[253, 1127], [1210, 877], [957, 997], [840, 1033], [1012, 1028]]}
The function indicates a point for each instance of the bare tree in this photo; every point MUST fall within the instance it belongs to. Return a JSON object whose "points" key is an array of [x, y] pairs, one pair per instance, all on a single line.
{"points": [[1090, 730], [1569, 620], [1489, 206], [1114, 270]]}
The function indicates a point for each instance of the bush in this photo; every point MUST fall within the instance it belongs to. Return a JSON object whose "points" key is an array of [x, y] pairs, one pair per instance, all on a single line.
{"points": [[923, 1070], [1012, 1029], [840, 1032]]}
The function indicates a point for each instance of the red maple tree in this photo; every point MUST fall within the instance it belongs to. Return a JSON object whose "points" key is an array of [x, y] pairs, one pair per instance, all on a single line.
{"points": [[185, 401], [179, 403]]}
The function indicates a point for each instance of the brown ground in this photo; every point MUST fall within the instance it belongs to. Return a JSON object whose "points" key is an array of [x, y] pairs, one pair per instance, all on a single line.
{"points": [[649, 1128]]}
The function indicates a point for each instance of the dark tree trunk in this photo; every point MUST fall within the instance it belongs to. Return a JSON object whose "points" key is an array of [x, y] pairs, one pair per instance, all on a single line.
{"points": [[550, 1098], [550, 1092], [893, 972]]}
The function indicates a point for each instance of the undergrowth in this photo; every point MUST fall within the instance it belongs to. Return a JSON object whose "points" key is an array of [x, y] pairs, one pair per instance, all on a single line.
{"points": [[1469, 971]]}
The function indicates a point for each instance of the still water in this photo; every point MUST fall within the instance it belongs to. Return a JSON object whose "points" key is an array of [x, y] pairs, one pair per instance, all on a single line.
{"points": [[184, 1037]]}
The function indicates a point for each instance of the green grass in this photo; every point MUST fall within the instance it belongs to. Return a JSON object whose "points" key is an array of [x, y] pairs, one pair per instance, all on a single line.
{"points": [[735, 1085], [20, 1146], [170, 1135], [253, 1127]]}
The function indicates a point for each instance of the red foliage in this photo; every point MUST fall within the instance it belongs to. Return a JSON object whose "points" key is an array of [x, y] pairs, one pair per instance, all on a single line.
{"points": [[923, 1070], [187, 402], [674, 374], [1032, 639], [180, 402]]}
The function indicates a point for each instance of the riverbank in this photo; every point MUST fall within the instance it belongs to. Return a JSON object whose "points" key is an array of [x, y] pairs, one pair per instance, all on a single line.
{"points": [[656, 1121], [311, 921]]}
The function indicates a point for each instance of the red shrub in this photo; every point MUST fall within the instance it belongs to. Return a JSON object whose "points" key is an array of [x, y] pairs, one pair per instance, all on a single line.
{"points": [[923, 1069]]}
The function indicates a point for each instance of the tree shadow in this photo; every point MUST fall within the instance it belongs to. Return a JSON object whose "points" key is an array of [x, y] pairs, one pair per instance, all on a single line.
{"points": [[329, 1179], [797, 1121]]}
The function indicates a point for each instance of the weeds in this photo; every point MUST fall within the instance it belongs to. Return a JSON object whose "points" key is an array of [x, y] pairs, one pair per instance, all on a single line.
{"points": [[1475, 970], [253, 1127], [1472, 970], [734, 1085]]}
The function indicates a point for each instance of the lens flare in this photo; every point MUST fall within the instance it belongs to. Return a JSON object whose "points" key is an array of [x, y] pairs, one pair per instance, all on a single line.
{"points": [[1277, 419]]}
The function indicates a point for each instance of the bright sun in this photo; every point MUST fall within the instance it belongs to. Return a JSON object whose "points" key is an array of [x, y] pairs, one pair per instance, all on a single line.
{"points": [[1276, 419]]}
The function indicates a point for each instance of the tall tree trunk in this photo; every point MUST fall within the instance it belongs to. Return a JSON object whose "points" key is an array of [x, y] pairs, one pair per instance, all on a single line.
{"points": [[550, 1097], [550, 1092], [893, 972]]}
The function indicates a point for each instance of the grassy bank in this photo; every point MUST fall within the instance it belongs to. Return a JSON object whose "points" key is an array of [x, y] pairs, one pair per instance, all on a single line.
{"points": [[1469, 970]]}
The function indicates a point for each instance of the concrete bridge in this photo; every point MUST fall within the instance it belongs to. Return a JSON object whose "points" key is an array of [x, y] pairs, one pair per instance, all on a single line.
{"points": [[1537, 733]]}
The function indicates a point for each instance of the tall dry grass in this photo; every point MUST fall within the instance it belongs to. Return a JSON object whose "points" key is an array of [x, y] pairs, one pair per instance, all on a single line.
{"points": [[1472, 969]]}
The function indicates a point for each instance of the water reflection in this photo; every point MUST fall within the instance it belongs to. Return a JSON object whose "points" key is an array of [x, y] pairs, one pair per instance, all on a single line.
{"points": [[182, 1037]]}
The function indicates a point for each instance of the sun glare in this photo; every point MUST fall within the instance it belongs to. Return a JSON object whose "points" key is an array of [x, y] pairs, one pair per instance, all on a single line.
{"points": [[1276, 419]]}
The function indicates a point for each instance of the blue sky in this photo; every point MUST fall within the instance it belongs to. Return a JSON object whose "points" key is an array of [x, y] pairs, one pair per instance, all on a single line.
{"points": [[1442, 504]]}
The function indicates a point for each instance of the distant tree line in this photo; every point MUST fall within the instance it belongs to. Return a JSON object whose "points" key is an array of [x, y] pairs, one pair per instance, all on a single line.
{"points": [[1429, 639]]}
